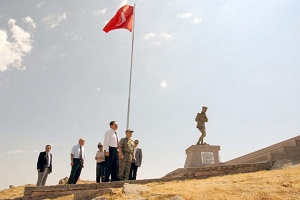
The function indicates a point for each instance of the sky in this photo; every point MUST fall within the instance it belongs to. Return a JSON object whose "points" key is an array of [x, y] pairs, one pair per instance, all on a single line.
{"points": [[62, 78]]}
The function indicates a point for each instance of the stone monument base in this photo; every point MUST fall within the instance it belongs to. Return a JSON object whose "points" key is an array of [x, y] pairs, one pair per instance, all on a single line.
{"points": [[202, 155]]}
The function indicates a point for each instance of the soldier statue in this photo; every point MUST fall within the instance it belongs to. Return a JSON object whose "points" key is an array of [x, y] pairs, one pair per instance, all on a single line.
{"points": [[201, 118]]}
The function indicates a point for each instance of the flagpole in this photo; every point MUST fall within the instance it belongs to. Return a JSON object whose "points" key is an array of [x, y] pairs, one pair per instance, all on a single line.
{"points": [[128, 108]]}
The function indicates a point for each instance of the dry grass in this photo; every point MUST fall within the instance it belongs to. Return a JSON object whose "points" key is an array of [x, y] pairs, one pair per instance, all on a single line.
{"points": [[15, 192], [275, 184]]}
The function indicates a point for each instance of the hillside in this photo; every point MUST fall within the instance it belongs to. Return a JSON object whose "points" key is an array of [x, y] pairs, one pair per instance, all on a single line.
{"points": [[274, 184]]}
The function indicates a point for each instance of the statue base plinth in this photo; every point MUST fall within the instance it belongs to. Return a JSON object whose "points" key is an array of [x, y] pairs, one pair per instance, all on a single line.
{"points": [[202, 155]]}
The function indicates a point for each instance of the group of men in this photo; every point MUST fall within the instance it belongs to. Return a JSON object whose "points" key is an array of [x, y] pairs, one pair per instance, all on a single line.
{"points": [[122, 157], [116, 159]]}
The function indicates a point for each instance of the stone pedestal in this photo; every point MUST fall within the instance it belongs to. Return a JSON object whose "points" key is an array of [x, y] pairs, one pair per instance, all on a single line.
{"points": [[202, 155]]}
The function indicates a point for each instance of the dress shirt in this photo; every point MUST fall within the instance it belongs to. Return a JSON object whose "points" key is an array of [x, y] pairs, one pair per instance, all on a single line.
{"points": [[48, 157], [134, 152], [110, 140], [76, 151]]}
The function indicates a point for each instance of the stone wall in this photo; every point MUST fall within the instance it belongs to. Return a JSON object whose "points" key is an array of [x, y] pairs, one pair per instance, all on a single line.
{"points": [[219, 170], [82, 191], [90, 191], [288, 149]]}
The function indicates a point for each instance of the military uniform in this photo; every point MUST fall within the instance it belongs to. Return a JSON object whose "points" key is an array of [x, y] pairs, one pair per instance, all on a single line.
{"points": [[127, 146]]}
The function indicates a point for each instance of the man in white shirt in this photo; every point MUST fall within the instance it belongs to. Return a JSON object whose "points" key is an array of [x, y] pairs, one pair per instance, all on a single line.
{"points": [[77, 161], [111, 148]]}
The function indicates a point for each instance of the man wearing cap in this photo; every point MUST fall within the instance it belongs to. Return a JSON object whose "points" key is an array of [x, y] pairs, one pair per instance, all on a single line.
{"points": [[126, 155], [201, 118], [100, 166]]}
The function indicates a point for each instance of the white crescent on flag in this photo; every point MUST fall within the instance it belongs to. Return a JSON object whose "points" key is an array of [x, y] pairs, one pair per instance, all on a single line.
{"points": [[122, 19]]}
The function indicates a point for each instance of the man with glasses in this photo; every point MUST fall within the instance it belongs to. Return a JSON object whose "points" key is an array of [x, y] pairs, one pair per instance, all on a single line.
{"points": [[137, 162], [44, 166], [77, 161]]}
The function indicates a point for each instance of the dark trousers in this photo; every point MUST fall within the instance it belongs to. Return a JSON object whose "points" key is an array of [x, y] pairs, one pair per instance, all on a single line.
{"points": [[75, 171], [133, 171], [112, 164], [100, 171]]}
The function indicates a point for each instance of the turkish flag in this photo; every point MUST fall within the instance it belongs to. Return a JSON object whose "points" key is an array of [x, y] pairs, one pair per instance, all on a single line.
{"points": [[122, 19]]}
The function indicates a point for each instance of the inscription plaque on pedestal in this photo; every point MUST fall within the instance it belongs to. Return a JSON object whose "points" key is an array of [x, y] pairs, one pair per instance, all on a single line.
{"points": [[207, 157]]}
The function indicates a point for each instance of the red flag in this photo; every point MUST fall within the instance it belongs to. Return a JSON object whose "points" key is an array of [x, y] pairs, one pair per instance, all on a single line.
{"points": [[122, 19]]}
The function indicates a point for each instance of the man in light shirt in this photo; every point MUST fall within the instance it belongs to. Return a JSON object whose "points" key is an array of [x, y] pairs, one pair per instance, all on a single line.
{"points": [[111, 148], [77, 161], [100, 166]]}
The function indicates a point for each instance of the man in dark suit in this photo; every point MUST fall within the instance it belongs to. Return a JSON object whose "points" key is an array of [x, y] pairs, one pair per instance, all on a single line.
{"points": [[44, 166], [137, 162]]}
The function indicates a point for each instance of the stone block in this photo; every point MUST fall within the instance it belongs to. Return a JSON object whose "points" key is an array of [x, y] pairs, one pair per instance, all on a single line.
{"points": [[105, 191], [292, 152]]}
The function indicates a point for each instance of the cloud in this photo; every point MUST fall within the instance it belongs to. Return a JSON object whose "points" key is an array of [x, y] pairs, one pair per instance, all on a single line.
{"points": [[164, 84], [39, 5], [149, 36], [197, 20], [226, 7], [123, 3], [77, 38], [158, 37], [185, 15], [15, 152], [156, 43], [2, 82], [12, 53], [166, 35], [53, 20], [99, 12], [29, 21]]}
